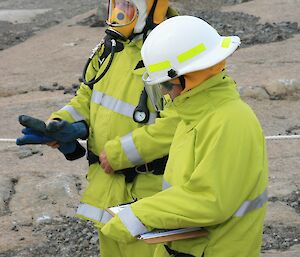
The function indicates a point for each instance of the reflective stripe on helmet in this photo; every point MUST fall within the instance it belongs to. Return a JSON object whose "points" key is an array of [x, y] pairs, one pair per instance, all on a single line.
{"points": [[226, 42], [159, 66], [191, 53]]}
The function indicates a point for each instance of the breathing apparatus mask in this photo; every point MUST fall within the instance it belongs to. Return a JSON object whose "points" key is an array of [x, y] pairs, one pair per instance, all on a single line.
{"points": [[122, 18]]}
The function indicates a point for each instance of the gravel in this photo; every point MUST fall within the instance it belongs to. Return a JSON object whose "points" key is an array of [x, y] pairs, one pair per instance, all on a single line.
{"points": [[247, 27], [12, 34], [67, 237]]}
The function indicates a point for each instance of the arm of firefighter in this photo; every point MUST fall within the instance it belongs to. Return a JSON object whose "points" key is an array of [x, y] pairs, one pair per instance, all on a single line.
{"points": [[78, 109], [231, 166], [120, 230], [144, 144]]}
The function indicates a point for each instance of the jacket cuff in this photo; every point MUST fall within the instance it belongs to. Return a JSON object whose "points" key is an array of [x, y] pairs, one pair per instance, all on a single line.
{"points": [[124, 227], [78, 153], [131, 222]]}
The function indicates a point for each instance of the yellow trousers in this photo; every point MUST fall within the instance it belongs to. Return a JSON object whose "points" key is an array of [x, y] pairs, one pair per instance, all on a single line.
{"points": [[111, 248]]}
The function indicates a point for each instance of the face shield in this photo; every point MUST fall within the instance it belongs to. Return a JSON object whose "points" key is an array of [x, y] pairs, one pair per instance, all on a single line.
{"points": [[157, 92], [121, 13]]}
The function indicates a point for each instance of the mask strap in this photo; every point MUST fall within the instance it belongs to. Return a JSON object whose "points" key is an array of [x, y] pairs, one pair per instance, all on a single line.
{"points": [[182, 81]]}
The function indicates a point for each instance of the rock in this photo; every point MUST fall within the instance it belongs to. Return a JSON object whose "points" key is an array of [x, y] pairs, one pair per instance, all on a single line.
{"points": [[6, 191], [276, 91], [255, 92], [280, 212], [35, 197], [283, 89], [27, 151]]}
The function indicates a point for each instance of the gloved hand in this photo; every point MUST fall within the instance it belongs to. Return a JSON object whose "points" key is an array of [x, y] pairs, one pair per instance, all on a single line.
{"points": [[61, 131], [71, 150], [32, 137], [64, 131]]}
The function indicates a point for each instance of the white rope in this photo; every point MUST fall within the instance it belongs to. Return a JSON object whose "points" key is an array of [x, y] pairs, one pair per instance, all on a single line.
{"points": [[283, 137], [12, 140]]}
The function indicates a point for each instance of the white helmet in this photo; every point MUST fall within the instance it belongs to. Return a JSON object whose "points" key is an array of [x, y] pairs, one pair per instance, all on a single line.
{"points": [[181, 45]]}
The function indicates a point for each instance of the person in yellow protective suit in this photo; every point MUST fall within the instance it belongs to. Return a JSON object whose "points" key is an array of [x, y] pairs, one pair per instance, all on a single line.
{"points": [[106, 102], [216, 175]]}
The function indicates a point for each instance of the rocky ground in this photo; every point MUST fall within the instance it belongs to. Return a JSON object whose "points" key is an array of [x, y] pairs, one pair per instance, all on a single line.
{"points": [[39, 190]]}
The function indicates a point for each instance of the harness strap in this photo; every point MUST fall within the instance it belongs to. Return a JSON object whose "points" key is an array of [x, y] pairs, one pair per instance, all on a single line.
{"points": [[156, 167], [174, 253]]}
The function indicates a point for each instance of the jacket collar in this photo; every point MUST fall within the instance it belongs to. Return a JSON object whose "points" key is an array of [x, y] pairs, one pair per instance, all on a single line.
{"points": [[203, 98]]}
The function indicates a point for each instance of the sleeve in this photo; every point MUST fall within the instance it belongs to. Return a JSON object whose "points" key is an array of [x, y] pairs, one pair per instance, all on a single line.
{"points": [[144, 144], [78, 108], [229, 169]]}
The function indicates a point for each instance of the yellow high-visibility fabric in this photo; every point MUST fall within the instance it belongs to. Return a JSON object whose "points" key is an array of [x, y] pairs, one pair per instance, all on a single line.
{"points": [[111, 248], [217, 162], [121, 83]]}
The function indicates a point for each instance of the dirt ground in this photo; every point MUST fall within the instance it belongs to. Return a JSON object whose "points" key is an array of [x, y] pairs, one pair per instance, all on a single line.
{"points": [[43, 53]]}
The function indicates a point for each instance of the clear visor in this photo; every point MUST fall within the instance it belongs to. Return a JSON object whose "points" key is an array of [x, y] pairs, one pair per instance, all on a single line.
{"points": [[121, 13], [157, 94]]}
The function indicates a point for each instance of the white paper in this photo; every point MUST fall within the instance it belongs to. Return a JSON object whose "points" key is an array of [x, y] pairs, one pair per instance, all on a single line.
{"points": [[166, 232], [117, 209]]}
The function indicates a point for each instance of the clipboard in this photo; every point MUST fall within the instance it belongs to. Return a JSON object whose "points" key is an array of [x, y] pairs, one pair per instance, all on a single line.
{"points": [[163, 235]]}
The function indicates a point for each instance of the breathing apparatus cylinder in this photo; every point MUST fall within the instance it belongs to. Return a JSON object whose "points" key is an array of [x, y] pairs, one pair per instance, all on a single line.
{"points": [[111, 44]]}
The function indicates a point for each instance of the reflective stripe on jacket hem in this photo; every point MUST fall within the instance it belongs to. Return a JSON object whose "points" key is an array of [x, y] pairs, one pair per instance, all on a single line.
{"points": [[72, 111], [117, 105], [131, 222], [93, 213], [130, 150], [249, 206], [165, 185]]}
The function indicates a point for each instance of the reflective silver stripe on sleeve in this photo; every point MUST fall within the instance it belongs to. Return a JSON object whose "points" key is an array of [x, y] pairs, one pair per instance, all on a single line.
{"points": [[130, 150], [152, 118], [93, 213], [75, 115], [117, 105], [248, 206], [165, 185], [131, 222]]}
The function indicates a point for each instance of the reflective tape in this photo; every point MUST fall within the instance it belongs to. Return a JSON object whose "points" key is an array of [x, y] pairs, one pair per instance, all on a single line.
{"points": [[159, 66], [93, 213], [131, 150], [249, 206], [117, 105], [131, 222], [226, 42], [191, 53], [72, 111], [165, 185]]}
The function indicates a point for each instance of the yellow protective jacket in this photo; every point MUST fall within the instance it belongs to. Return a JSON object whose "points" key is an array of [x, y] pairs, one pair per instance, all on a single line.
{"points": [[216, 177], [108, 111]]}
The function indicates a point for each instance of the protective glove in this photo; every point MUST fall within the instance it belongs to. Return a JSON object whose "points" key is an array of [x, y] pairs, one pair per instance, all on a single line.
{"points": [[61, 130], [64, 131], [71, 150], [32, 137]]}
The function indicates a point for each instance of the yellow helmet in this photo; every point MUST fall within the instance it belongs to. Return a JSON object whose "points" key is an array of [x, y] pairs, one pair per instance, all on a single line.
{"points": [[129, 17]]}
